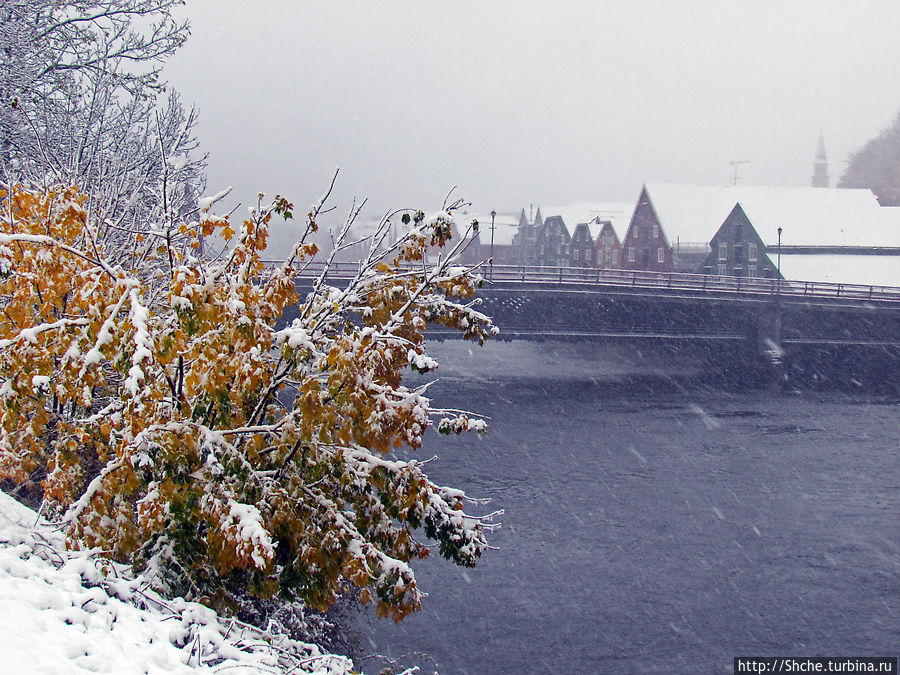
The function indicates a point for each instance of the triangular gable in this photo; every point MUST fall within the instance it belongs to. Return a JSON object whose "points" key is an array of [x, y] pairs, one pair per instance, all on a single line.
{"points": [[523, 219], [551, 222], [607, 228], [645, 213]]}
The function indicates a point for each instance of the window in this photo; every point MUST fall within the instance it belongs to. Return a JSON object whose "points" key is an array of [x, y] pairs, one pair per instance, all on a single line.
{"points": [[723, 251], [661, 255], [587, 255], [751, 271], [631, 254], [656, 231], [751, 253], [575, 255], [615, 256], [722, 270]]}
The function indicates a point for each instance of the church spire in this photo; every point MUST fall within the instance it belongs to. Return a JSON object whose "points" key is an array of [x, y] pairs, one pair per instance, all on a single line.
{"points": [[820, 177]]}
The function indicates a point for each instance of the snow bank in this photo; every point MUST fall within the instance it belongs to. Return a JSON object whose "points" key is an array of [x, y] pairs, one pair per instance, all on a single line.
{"points": [[71, 612]]}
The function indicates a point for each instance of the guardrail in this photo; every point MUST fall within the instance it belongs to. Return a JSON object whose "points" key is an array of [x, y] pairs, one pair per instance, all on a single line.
{"points": [[640, 279]]}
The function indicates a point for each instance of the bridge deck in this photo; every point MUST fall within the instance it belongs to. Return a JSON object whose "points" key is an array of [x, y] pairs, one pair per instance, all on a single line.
{"points": [[661, 283]]}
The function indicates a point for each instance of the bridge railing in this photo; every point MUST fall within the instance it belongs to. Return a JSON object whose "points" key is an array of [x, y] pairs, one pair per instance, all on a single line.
{"points": [[673, 281], [690, 282]]}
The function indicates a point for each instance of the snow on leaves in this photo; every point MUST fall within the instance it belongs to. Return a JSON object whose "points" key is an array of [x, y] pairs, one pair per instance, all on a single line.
{"points": [[174, 425]]}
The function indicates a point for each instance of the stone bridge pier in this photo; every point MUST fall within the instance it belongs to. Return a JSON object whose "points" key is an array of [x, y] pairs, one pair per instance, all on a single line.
{"points": [[767, 339]]}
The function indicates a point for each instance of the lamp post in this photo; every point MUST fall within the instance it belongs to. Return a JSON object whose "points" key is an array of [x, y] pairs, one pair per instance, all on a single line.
{"points": [[493, 215], [778, 281]]}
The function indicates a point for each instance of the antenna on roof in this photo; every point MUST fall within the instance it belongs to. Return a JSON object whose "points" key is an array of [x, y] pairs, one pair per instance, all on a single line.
{"points": [[734, 167]]}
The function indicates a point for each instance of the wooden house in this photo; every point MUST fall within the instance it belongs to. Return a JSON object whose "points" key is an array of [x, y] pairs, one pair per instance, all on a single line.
{"points": [[672, 225], [582, 252], [829, 235], [608, 247], [552, 243], [526, 237], [670, 218], [736, 249], [602, 223], [595, 244], [645, 245]]}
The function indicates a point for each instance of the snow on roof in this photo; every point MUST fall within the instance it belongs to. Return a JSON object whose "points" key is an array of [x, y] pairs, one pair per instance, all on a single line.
{"points": [[813, 219], [807, 216], [869, 270]]}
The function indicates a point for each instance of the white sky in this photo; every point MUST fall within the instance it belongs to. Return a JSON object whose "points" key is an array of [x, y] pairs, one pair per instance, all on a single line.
{"points": [[520, 103]]}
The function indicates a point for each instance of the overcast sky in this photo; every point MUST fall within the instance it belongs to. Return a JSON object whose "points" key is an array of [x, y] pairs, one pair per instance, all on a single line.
{"points": [[520, 103]]}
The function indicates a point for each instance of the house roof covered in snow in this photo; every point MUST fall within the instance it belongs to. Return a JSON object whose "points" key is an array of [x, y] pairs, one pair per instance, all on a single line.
{"points": [[807, 216], [807, 221], [869, 270]]}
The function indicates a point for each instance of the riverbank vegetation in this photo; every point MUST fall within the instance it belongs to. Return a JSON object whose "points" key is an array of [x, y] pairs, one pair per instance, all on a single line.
{"points": [[167, 398]]}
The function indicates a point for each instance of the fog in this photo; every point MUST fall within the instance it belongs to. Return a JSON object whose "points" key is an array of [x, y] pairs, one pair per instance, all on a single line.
{"points": [[519, 103]]}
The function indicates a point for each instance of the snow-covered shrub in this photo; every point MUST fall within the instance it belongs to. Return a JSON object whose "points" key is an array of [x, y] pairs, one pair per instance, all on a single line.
{"points": [[178, 428]]}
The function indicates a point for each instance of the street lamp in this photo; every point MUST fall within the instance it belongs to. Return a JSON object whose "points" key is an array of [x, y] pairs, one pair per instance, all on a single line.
{"points": [[493, 215], [778, 282]]}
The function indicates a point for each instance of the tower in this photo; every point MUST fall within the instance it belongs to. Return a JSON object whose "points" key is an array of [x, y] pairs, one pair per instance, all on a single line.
{"points": [[820, 177]]}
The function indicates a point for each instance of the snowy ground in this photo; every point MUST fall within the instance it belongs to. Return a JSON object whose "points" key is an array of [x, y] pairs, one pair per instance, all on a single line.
{"points": [[73, 612]]}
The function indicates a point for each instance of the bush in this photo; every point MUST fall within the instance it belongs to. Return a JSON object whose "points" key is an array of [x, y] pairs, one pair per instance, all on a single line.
{"points": [[173, 424]]}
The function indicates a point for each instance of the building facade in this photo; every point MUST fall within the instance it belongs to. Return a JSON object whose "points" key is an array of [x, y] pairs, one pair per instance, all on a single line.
{"points": [[552, 243], [737, 250], [645, 246], [609, 248], [582, 251], [525, 240]]}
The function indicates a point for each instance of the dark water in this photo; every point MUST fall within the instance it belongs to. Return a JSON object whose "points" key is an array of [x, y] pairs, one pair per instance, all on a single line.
{"points": [[654, 526]]}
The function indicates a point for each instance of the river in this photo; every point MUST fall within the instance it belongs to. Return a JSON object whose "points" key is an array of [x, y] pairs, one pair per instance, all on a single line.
{"points": [[653, 524]]}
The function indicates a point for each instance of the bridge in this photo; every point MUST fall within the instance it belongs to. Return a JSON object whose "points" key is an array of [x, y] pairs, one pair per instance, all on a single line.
{"points": [[767, 327]]}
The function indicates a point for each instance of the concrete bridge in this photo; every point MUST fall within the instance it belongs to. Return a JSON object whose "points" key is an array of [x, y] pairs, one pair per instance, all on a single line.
{"points": [[758, 328]]}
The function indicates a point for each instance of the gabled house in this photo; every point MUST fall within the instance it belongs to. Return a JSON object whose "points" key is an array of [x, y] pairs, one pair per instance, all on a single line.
{"points": [[672, 225], [669, 219], [595, 244], [525, 240], [737, 250], [582, 251], [829, 235], [552, 243], [608, 247], [600, 224], [645, 246]]}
